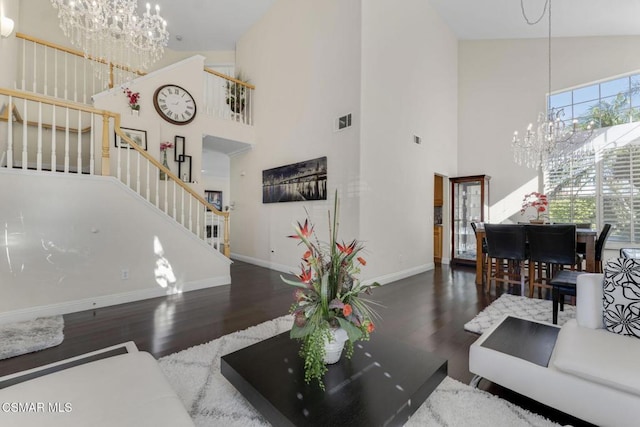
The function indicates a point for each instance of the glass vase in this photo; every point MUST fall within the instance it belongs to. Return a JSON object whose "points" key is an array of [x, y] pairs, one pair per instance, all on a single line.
{"points": [[163, 175]]}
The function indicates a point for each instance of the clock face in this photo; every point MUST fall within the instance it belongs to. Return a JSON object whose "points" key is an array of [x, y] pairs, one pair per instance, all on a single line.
{"points": [[174, 104]]}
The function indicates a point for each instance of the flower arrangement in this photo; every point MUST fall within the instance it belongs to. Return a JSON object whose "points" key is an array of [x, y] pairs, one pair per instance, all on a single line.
{"points": [[134, 98], [535, 200], [164, 146], [327, 295]]}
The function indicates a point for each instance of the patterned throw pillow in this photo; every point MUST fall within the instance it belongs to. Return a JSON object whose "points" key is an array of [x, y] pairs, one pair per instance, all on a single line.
{"points": [[621, 300]]}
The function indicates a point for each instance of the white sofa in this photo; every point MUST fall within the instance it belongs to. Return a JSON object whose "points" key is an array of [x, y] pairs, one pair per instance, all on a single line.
{"points": [[123, 390], [593, 374]]}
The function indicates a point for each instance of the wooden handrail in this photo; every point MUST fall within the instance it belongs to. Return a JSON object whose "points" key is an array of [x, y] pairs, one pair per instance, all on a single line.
{"points": [[4, 117], [231, 79], [105, 147]]}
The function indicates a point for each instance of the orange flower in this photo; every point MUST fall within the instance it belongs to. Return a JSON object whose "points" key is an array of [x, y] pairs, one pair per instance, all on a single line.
{"points": [[303, 230], [371, 327], [361, 260], [305, 277], [306, 255], [346, 249], [346, 310]]}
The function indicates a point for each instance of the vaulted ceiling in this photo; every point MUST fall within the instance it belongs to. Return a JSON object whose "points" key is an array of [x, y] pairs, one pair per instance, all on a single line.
{"points": [[217, 24]]}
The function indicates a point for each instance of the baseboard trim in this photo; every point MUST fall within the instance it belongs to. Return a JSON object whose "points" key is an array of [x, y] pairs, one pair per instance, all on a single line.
{"points": [[383, 280], [402, 274], [106, 300], [262, 263]]}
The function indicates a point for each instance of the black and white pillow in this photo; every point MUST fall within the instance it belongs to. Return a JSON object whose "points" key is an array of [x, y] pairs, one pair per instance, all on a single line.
{"points": [[621, 297]]}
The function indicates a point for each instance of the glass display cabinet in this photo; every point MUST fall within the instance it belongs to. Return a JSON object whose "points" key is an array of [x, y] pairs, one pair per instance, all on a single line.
{"points": [[469, 203]]}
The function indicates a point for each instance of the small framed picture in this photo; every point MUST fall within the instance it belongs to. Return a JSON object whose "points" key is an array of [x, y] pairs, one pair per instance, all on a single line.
{"points": [[138, 136], [214, 198]]}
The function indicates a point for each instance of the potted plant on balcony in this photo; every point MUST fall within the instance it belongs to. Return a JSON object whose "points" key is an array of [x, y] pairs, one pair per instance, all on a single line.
{"points": [[329, 310], [236, 93]]}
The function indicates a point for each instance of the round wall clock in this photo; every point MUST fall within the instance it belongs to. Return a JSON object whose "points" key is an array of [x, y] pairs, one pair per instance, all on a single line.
{"points": [[174, 104]]}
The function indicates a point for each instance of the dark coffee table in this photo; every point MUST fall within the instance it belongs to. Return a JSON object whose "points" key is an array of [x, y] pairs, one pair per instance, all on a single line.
{"points": [[383, 384]]}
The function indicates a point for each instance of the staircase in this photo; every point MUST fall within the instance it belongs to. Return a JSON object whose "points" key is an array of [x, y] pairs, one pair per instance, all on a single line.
{"points": [[53, 138], [56, 83]]}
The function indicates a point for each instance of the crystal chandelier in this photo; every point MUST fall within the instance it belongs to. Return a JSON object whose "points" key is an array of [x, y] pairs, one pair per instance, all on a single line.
{"points": [[551, 142], [110, 32]]}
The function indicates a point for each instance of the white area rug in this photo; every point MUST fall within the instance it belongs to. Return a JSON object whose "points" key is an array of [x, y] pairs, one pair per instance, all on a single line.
{"points": [[212, 401], [527, 308], [32, 335]]}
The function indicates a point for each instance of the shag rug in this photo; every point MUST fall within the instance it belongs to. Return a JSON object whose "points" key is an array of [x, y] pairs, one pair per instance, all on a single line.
{"points": [[526, 308], [212, 401], [31, 335]]}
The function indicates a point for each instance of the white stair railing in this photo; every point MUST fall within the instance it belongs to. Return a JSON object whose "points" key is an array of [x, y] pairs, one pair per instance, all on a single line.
{"points": [[45, 134], [228, 98], [61, 72], [54, 70]]}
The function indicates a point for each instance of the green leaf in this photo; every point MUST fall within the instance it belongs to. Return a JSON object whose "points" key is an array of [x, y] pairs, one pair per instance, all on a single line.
{"points": [[292, 283], [353, 331], [324, 293], [301, 332]]}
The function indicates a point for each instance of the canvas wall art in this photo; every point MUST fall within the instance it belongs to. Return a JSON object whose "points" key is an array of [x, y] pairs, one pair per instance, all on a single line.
{"points": [[296, 182]]}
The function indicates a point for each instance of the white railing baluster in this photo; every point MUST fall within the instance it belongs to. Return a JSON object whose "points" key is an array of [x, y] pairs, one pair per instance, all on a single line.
{"points": [[39, 153], [190, 212], [156, 180], [66, 77], [84, 82], [35, 67], [24, 64], [91, 145], [75, 78], [166, 197], [79, 160], [175, 201], [66, 141], [10, 133], [138, 173], [46, 74], [198, 219], [55, 73], [25, 155], [119, 157], [128, 170], [148, 189], [54, 159]]}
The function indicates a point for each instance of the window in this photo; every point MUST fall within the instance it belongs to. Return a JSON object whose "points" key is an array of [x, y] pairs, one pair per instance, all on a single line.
{"points": [[604, 186]]}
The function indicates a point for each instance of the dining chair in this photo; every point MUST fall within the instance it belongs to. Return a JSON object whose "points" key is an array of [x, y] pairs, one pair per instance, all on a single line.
{"points": [[506, 254], [600, 242], [551, 247]]}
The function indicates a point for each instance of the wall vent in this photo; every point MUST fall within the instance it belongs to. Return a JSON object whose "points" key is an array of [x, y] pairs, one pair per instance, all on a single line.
{"points": [[343, 122], [417, 139]]}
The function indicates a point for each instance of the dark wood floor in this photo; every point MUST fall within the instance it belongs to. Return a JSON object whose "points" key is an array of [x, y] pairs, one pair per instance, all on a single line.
{"points": [[427, 310]]}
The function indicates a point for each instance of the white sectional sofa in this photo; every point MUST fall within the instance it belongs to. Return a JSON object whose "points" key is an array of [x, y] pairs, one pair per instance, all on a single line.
{"points": [[593, 374], [123, 390]]}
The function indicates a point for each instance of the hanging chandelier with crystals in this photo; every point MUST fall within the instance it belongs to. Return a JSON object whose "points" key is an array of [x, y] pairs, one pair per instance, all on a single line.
{"points": [[551, 142], [110, 32]]}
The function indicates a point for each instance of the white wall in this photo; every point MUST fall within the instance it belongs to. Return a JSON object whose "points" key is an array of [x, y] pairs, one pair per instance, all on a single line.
{"points": [[187, 74], [8, 46], [409, 86], [70, 237], [304, 58], [502, 87], [8, 49]]}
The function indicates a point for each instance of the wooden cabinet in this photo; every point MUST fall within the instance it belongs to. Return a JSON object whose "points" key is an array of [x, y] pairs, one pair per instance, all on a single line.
{"points": [[469, 203], [438, 191], [437, 244]]}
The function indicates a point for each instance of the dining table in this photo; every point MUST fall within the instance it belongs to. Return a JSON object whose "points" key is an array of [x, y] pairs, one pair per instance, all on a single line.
{"points": [[583, 235]]}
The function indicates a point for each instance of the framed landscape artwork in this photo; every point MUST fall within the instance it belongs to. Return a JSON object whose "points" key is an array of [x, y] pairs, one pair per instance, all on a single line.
{"points": [[296, 182], [138, 136]]}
